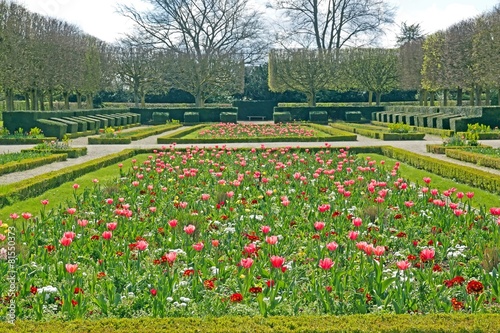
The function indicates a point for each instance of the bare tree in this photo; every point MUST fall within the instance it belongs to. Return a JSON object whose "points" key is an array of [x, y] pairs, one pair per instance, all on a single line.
{"points": [[411, 57], [333, 24], [201, 33]]}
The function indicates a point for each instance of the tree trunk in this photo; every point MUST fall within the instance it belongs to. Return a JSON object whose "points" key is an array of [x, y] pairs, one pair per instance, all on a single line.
{"points": [[136, 94], [143, 100], [51, 100], [471, 97], [478, 95], [378, 97], [370, 98], [421, 97], [459, 96], [487, 100], [79, 100], [42, 101], [199, 100], [27, 100], [425, 98], [9, 100], [66, 100], [498, 97], [311, 99], [90, 101], [445, 97], [432, 98], [34, 100]]}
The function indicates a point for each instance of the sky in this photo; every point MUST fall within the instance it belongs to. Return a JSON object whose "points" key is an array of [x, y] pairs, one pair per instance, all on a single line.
{"points": [[100, 18]]}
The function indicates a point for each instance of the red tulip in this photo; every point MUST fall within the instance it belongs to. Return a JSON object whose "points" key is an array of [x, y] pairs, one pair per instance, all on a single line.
{"points": [[326, 263], [71, 268], [277, 262]]}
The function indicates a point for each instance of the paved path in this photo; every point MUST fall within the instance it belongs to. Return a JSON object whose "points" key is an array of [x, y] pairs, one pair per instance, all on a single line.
{"points": [[96, 151]]}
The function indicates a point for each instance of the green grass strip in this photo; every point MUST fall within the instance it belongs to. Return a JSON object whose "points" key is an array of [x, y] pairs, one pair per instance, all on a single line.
{"points": [[30, 163]]}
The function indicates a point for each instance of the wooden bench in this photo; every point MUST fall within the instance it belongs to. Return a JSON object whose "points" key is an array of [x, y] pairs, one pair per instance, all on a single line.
{"points": [[256, 117]]}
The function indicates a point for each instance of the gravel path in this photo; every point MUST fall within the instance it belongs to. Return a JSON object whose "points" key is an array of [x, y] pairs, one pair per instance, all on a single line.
{"points": [[96, 151]]}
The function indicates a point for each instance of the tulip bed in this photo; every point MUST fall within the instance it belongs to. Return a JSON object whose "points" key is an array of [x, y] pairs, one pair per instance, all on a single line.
{"points": [[281, 231]]}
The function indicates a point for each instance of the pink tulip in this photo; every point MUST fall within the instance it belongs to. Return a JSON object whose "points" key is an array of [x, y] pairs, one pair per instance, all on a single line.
{"points": [[276, 261], [111, 226], [71, 211], [107, 235], [26, 216], [172, 223], [427, 254], [109, 201], [215, 242], [319, 225], [205, 197], [66, 241], [272, 240], [469, 195], [69, 234], [246, 263], [332, 246], [14, 216], [171, 256], [326, 263], [44, 202], [379, 250], [353, 235], [403, 265], [357, 222], [198, 246], [250, 248], [189, 229], [83, 223], [141, 245], [76, 186], [265, 229], [71, 268]]}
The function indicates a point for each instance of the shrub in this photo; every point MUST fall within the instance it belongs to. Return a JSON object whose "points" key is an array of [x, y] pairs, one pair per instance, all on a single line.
{"points": [[399, 128], [229, 117], [320, 117], [191, 117], [282, 117], [161, 117], [353, 116]]}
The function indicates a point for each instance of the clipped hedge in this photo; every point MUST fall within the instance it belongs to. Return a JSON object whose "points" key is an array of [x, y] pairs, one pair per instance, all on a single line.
{"points": [[474, 177], [25, 141], [191, 117], [71, 152], [353, 116], [52, 128], [206, 114], [476, 158], [255, 108], [282, 117], [382, 323], [318, 117], [80, 134], [109, 141], [485, 135], [154, 131], [161, 117], [440, 148], [35, 186], [31, 163], [229, 117], [426, 130], [401, 136]]}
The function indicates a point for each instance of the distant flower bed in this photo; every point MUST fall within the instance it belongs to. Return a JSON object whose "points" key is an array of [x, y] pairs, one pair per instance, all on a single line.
{"points": [[229, 130], [216, 231]]}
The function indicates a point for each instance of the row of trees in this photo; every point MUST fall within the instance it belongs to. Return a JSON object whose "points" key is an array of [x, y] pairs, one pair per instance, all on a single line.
{"points": [[40, 57], [203, 46], [311, 71], [464, 57]]}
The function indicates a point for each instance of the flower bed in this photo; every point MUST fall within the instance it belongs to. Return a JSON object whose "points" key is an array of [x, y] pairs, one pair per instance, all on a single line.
{"points": [[488, 157], [376, 132], [228, 132], [111, 136], [209, 232]]}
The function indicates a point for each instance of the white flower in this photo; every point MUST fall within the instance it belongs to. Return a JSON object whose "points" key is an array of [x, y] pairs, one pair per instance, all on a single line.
{"points": [[185, 299], [170, 299]]}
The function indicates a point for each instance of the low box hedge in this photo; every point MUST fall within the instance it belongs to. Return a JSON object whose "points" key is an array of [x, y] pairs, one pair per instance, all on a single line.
{"points": [[25, 141], [401, 136], [80, 134], [318, 117], [484, 180], [70, 152], [52, 128], [229, 117], [485, 135], [282, 117], [472, 157], [154, 131], [35, 186], [440, 148], [160, 117], [191, 117], [380, 323], [109, 141], [31, 163], [353, 116]]}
